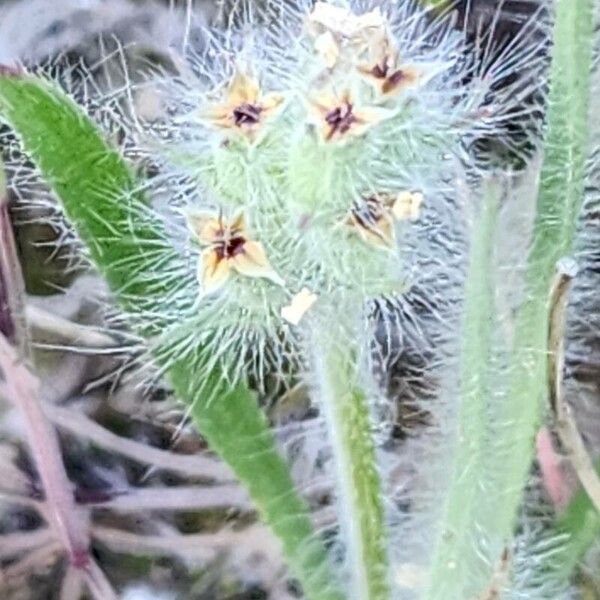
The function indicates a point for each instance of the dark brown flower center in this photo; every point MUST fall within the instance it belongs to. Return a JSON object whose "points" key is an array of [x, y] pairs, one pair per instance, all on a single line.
{"points": [[247, 114], [381, 71], [229, 247], [340, 119], [368, 212]]}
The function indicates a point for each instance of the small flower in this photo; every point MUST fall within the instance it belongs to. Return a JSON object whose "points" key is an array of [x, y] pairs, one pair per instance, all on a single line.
{"points": [[370, 217], [343, 23], [245, 109], [407, 205], [334, 27], [338, 117], [328, 49], [300, 304], [384, 71], [227, 249]]}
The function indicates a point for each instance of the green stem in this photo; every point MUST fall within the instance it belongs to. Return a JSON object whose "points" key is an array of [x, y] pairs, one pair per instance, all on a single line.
{"points": [[346, 409], [128, 243], [559, 202], [459, 567]]}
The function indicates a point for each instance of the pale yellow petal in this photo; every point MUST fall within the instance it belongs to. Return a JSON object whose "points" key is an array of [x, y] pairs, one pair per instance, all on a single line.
{"points": [[342, 21], [380, 234], [407, 206], [243, 89], [328, 49], [381, 49], [271, 104], [238, 223], [253, 262], [271, 101], [219, 115], [212, 230], [330, 16], [212, 271], [197, 223], [321, 104], [370, 20], [385, 230], [298, 306], [404, 77]]}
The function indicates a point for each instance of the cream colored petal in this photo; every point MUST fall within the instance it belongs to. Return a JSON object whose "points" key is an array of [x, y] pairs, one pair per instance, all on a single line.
{"points": [[298, 307], [212, 230], [385, 230], [328, 49], [319, 108], [271, 104], [238, 223], [242, 89], [204, 226], [218, 115], [404, 77], [407, 206], [380, 235], [341, 21], [253, 262], [321, 104], [212, 272], [372, 19], [197, 222], [329, 16], [381, 48]]}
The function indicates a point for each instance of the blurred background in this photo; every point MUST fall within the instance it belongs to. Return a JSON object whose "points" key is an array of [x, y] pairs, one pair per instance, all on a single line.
{"points": [[167, 519]]}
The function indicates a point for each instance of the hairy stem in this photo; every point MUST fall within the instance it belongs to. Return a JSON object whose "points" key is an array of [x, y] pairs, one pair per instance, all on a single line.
{"points": [[459, 564], [559, 202], [346, 410]]}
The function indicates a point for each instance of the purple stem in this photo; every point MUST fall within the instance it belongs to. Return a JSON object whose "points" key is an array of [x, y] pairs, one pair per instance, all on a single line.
{"points": [[65, 517], [12, 289], [23, 389]]}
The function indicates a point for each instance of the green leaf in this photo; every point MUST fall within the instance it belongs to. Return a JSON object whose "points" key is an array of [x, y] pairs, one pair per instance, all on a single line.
{"points": [[128, 244], [559, 203], [479, 516], [460, 569]]}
